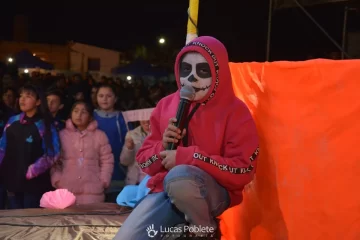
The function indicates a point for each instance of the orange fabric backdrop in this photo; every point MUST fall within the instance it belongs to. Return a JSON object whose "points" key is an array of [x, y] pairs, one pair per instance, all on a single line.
{"points": [[308, 175]]}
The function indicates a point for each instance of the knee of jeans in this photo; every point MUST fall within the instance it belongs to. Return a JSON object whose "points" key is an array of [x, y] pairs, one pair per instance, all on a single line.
{"points": [[183, 172], [184, 183], [183, 190]]}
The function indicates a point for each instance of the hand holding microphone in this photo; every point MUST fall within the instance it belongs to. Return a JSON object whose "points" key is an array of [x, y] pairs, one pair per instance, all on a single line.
{"points": [[187, 95], [175, 130], [171, 136], [172, 133]]}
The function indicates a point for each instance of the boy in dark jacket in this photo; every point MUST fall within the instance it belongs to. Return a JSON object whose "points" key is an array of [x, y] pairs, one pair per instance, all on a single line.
{"points": [[55, 103]]}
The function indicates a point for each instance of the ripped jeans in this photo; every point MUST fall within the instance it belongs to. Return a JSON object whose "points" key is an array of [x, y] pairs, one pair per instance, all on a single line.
{"points": [[191, 196]]}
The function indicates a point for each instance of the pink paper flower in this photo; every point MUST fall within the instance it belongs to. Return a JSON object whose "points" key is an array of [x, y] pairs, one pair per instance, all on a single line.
{"points": [[58, 199]]}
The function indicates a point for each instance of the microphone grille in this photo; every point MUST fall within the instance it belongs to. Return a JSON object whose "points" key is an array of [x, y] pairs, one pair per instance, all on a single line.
{"points": [[187, 92]]}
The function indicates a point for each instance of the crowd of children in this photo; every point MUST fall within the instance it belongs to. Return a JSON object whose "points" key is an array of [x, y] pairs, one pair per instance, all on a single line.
{"points": [[41, 151]]}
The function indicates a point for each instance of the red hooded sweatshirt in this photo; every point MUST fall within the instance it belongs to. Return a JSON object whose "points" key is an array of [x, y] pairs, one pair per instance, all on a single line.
{"points": [[222, 136]]}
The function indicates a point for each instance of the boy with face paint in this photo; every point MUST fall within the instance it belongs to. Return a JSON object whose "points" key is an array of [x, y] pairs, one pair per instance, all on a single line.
{"points": [[195, 71], [216, 156]]}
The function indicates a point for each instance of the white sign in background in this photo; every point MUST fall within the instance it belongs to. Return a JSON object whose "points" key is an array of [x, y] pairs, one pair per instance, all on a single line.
{"points": [[137, 115]]}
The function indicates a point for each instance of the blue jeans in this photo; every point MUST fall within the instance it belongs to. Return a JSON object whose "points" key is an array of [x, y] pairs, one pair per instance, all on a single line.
{"points": [[191, 196], [3, 197], [24, 200]]}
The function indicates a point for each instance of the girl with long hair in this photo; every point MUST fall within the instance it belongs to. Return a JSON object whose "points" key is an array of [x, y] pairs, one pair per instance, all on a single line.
{"points": [[28, 148], [113, 124]]}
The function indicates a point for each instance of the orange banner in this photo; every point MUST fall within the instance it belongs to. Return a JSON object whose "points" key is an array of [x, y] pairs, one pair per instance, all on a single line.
{"points": [[308, 175]]}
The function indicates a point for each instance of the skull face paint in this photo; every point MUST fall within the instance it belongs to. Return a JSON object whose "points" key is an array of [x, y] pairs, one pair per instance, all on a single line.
{"points": [[195, 71]]}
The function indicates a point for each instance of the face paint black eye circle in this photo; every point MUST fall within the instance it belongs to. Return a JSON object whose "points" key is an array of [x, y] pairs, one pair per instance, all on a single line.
{"points": [[203, 70], [185, 69]]}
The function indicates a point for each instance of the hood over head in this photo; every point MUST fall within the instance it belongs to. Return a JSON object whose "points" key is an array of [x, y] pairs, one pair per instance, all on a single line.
{"points": [[203, 63]]}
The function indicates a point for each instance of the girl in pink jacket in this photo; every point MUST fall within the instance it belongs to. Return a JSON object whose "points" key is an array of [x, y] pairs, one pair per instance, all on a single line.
{"points": [[86, 163]]}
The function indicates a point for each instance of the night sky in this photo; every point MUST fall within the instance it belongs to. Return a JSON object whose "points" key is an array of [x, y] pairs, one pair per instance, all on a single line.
{"points": [[123, 24]]}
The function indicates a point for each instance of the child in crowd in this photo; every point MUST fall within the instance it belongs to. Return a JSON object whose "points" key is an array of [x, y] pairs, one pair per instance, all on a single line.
{"points": [[28, 148], [136, 179], [55, 104], [113, 124], [133, 141], [9, 98], [86, 163], [94, 89]]}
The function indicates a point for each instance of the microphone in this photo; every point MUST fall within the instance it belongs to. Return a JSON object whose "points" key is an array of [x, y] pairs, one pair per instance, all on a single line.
{"points": [[187, 95]]}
